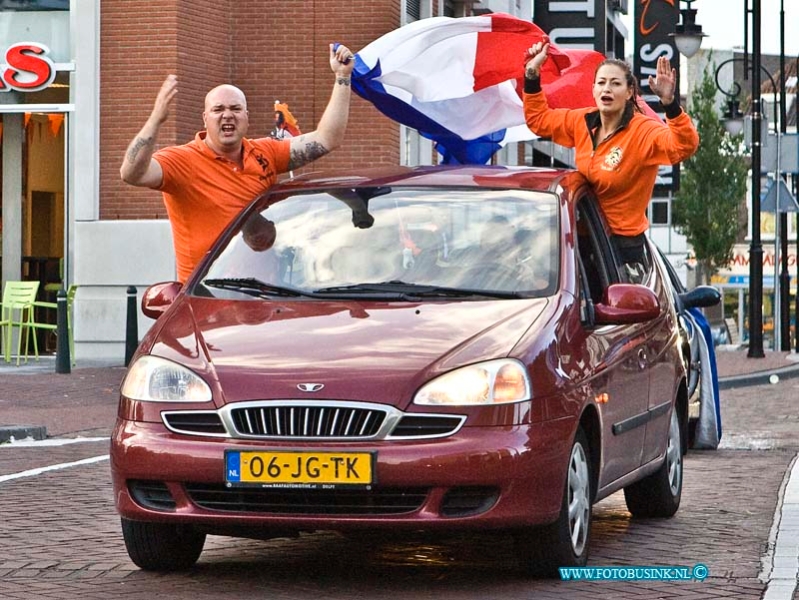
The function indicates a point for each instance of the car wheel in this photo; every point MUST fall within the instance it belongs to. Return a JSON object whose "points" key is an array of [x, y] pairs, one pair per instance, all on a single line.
{"points": [[161, 546], [658, 495], [563, 543]]}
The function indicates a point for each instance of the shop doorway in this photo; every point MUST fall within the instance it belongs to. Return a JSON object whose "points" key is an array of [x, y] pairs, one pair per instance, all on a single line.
{"points": [[32, 217]]}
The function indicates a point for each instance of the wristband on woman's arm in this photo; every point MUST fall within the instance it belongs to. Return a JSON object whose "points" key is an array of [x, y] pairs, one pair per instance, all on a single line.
{"points": [[674, 109]]}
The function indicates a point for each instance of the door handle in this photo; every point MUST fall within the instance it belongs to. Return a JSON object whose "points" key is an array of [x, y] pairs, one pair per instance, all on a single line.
{"points": [[642, 358]]}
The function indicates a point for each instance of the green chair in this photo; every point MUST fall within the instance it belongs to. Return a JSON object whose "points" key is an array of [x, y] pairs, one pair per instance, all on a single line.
{"points": [[52, 287], [16, 310], [71, 291]]}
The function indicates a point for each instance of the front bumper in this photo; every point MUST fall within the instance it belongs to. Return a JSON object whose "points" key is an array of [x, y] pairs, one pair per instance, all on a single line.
{"points": [[480, 477]]}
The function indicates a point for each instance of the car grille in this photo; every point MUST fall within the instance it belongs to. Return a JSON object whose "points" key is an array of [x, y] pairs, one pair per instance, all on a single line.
{"points": [[308, 421], [311, 420], [416, 426], [195, 422], [375, 501]]}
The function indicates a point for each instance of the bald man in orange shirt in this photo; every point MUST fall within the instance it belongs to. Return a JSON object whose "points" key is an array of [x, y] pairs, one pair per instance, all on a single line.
{"points": [[209, 180]]}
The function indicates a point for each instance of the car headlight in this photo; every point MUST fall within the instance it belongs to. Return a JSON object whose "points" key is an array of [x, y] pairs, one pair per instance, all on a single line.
{"points": [[154, 379], [492, 382]]}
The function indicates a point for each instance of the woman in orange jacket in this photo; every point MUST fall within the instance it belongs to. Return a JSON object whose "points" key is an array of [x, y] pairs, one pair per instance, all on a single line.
{"points": [[617, 147]]}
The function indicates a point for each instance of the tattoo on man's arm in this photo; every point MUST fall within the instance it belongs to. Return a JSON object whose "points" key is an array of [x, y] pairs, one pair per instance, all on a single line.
{"points": [[343, 81], [136, 147], [311, 152]]}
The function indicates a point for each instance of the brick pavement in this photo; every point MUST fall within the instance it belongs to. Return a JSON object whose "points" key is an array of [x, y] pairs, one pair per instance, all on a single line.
{"points": [[76, 551], [83, 402], [66, 542], [733, 362]]}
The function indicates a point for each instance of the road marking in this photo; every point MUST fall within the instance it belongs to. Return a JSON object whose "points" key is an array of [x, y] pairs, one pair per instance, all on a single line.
{"points": [[40, 470], [29, 443], [780, 565]]}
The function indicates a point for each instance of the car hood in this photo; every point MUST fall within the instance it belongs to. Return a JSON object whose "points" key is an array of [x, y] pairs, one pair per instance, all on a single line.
{"points": [[368, 351]]}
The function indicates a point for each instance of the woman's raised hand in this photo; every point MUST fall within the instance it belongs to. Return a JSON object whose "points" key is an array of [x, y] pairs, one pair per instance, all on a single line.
{"points": [[664, 82]]}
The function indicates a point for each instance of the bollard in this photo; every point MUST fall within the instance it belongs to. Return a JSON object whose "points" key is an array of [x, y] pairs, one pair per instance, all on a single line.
{"points": [[63, 361], [132, 329]]}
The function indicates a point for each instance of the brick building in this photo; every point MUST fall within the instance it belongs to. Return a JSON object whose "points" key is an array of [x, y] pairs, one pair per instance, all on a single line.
{"points": [[64, 136]]}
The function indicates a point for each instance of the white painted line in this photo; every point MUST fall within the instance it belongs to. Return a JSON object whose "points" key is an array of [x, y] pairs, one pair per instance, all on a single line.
{"points": [[40, 470], [780, 565], [31, 443]]}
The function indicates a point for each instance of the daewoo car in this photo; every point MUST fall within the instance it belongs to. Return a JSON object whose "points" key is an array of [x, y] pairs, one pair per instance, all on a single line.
{"points": [[433, 348]]}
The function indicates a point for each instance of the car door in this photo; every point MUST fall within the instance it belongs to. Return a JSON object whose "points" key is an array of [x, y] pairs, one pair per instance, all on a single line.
{"points": [[665, 363], [622, 385]]}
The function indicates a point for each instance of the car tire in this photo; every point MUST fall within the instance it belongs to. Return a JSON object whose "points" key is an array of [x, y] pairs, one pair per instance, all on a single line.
{"points": [[565, 542], [658, 495], [162, 546]]}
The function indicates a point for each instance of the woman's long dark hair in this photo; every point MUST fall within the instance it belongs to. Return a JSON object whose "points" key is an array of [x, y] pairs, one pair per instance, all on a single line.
{"points": [[632, 83]]}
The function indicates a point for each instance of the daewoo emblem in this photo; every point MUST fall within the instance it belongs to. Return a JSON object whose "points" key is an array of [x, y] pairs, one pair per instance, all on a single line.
{"points": [[310, 387]]}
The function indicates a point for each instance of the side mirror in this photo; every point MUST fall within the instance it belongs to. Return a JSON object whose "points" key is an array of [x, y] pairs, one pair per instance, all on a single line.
{"points": [[626, 303], [158, 297], [703, 295]]}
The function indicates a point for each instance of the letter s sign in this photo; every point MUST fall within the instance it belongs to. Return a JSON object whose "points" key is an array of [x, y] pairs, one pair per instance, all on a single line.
{"points": [[27, 68]]}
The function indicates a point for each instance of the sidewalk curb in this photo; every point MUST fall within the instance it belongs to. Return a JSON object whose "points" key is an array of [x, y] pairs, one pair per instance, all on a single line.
{"points": [[758, 378], [22, 432]]}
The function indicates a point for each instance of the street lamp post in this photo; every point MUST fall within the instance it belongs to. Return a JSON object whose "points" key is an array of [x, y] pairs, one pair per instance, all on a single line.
{"points": [[688, 33], [688, 37], [784, 277], [755, 244], [796, 295], [733, 123]]}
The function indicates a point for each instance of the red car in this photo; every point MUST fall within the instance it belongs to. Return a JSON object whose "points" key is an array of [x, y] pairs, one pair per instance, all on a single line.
{"points": [[432, 348]]}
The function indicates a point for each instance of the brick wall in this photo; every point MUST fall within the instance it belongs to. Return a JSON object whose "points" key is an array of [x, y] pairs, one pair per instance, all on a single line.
{"points": [[272, 50]]}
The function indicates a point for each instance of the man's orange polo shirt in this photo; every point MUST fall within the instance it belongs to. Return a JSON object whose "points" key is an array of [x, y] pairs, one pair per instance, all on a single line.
{"points": [[203, 191]]}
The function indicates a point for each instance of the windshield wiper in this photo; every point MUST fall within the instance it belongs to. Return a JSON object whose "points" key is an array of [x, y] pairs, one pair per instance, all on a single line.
{"points": [[415, 290], [256, 287]]}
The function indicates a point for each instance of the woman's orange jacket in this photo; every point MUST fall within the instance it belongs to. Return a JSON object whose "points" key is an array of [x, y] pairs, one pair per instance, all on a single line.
{"points": [[624, 166]]}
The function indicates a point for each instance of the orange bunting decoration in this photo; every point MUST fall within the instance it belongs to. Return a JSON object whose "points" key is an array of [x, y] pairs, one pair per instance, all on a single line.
{"points": [[289, 122], [56, 120]]}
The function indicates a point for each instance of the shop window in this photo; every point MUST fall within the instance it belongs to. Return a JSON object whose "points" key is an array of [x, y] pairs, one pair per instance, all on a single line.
{"points": [[413, 9], [659, 212], [56, 93], [417, 9], [34, 4], [416, 149]]}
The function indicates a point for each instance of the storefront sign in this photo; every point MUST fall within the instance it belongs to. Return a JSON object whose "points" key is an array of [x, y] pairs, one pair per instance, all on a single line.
{"points": [[576, 24], [736, 273], [27, 68], [654, 21]]}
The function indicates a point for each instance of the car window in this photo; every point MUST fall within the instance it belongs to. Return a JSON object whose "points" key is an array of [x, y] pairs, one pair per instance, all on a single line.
{"points": [[472, 239], [593, 250], [670, 271]]}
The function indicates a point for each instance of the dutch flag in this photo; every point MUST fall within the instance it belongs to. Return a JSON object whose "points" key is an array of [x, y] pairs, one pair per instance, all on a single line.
{"points": [[459, 81]]}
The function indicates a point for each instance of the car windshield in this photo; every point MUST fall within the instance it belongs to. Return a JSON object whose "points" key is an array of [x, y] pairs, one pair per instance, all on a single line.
{"points": [[393, 244]]}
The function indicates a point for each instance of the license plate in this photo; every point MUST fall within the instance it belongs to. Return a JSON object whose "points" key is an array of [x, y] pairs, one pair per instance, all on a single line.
{"points": [[299, 469]]}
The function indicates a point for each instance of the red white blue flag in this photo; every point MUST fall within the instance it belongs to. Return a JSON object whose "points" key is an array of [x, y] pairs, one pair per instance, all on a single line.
{"points": [[459, 81]]}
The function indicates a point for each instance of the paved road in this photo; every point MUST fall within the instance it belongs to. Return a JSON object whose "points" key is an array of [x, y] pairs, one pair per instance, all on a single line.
{"points": [[61, 539]]}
